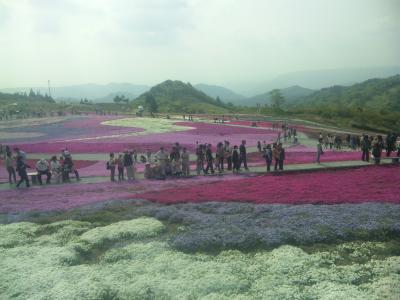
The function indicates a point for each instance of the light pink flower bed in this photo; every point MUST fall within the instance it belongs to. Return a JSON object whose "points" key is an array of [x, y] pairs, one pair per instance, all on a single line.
{"points": [[66, 196], [331, 187], [203, 133]]}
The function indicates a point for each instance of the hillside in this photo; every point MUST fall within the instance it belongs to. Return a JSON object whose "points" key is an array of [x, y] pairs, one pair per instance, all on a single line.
{"points": [[291, 94], [374, 103], [214, 91], [23, 104], [176, 96]]}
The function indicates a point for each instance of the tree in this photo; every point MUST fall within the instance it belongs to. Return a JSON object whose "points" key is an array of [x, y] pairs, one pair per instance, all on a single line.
{"points": [[277, 100], [151, 103], [117, 99], [32, 94]]}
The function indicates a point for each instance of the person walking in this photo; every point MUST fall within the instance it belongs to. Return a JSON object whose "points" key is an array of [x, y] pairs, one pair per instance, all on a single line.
{"points": [[21, 169], [243, 155], [43, 168], [365, 147], [185, 162], [235, 159], [111, 164], [209, 159], [9, 163], [268, 156], [319, 151], [21, 154]]}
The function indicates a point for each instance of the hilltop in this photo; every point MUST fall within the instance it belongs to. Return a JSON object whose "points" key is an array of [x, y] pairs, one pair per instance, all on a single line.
{"points": [[177, 96]]}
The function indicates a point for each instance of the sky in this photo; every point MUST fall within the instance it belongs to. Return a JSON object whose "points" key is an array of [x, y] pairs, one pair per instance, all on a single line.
{"points": [[210, 41]]}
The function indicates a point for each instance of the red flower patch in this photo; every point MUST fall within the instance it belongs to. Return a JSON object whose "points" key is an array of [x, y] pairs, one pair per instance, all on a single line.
{"points": [[330, 187]]}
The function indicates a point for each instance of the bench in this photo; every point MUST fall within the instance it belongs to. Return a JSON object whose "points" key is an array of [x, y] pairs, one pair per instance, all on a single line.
{"points": [[394, 159], [34, 177]]}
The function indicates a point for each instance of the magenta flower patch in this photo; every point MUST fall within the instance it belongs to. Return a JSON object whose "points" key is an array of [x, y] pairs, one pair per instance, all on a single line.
{"points": [[331, 187]]}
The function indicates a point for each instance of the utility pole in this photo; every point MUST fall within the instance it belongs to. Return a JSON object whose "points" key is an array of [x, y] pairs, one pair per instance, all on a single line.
{"points": [[48, 84]]}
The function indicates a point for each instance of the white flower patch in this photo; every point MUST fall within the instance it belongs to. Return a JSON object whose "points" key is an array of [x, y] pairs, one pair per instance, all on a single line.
{"points": [[138, 263]]}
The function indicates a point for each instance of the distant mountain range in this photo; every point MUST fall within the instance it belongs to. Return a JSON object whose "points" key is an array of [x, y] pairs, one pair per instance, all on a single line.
{"points": [[223, 93], [293, 87], [94, 92], [315, 79]]}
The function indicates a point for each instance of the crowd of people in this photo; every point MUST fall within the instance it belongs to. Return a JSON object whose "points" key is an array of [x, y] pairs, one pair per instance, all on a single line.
{"points": [[176, 163], [371, 146], [57, 168]]}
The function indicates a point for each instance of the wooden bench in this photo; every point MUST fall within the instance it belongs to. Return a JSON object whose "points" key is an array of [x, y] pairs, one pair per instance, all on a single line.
{"points": [[34, 177]]}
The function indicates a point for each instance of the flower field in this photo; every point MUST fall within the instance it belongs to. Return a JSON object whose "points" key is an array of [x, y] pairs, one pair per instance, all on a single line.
{"points": [[328, 234], [77, 260]]}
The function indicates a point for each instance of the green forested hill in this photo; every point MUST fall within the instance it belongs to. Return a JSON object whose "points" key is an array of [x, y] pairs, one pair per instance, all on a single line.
{"points": [[372, 104], [291, 95], [176, 96], [373, 93]]}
